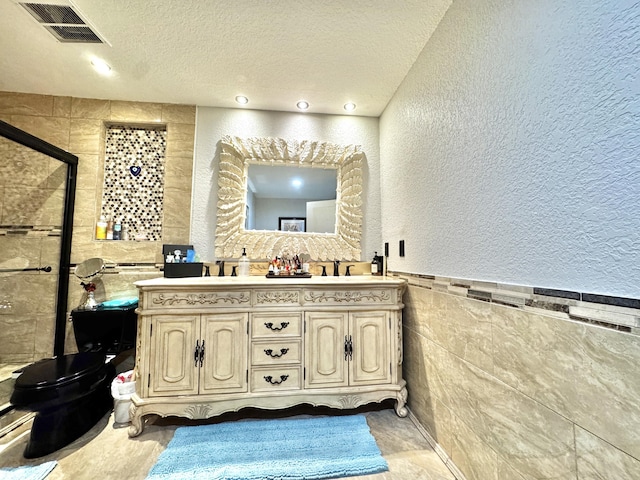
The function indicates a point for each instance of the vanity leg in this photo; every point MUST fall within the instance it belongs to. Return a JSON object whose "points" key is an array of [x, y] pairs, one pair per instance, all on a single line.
{"points": [[401, 400], [137, 422]]}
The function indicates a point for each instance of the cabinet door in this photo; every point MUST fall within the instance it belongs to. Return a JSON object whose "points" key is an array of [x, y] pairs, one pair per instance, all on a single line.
{"points": [[224, 365], [370, 363], [324, 349], [173, 341]]}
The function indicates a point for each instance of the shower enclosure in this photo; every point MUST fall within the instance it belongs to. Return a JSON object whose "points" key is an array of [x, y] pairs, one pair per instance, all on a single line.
{"points": [[37, 192]]}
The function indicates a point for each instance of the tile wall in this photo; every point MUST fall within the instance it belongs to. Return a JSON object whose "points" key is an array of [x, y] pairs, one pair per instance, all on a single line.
{"points": [[514, 383], [78, 125]]}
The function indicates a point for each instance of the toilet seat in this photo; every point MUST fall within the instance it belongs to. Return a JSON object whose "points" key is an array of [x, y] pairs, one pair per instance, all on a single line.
{"points": [[69, 395], [66, 376]]}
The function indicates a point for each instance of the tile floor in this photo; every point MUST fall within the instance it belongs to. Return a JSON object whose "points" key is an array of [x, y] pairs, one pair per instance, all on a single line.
{"points": [[106, 452]]}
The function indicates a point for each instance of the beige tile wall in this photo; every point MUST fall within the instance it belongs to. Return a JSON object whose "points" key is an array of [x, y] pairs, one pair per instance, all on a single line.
{"points": [[511, 394], [78, 126]]}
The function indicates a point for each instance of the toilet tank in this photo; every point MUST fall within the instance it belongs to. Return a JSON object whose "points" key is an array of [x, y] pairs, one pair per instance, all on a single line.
{"points": [[108, 330]]}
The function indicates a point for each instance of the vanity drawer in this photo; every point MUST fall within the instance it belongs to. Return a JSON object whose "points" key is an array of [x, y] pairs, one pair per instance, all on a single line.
{"points": [[272, 379], [348, 297], [277, 298], [276, 352], [196, 300], [276, 325]]}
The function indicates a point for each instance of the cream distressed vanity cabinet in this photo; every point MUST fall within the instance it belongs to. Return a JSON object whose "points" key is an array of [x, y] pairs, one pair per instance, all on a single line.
{"points": [[217, 344]]}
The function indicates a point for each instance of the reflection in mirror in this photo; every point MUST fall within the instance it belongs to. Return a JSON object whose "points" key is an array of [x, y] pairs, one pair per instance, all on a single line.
{"points": [[233, 231], [275, 192]]}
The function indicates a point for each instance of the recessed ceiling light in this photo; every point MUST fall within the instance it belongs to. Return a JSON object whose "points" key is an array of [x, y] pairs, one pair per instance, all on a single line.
{"points": [[102, 67], [302, 105], [242, 100], [350, 107]]}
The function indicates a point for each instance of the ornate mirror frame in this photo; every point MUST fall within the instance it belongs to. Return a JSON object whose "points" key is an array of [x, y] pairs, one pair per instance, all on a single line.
{"points": [[235, 156]]}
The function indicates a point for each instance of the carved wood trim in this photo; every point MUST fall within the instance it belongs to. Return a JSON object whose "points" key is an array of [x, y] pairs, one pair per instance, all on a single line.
{"points": [[347, 297], [277, 297], [200, 298], [237, 153]]}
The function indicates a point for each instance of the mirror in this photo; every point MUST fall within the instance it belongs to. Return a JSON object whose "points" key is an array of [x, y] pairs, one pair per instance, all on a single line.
{"points": [[291, 198], [89, 271], [233, 230]]}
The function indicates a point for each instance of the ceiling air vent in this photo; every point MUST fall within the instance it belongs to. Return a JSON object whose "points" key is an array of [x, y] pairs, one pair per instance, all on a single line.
{"points": [[63, 22]]}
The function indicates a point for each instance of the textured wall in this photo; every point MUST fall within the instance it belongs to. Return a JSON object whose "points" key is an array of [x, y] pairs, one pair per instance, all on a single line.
{"points": [[510, 151], [213, 123]]}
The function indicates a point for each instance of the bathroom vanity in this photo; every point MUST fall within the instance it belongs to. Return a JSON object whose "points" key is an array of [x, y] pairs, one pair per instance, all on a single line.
{"points": [[210, 345]]}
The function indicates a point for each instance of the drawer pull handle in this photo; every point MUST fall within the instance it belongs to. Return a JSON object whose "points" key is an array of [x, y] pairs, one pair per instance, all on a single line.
{"points": [[270, 353], [270, 326], [270, 379]]}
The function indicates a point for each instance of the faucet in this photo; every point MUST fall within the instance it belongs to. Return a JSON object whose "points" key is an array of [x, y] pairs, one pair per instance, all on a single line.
{"points": [[336, 270], [221, 270], [348, 272]]}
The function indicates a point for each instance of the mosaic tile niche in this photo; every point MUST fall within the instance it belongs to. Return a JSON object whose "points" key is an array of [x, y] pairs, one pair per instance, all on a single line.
{"points": [[133, 186]]}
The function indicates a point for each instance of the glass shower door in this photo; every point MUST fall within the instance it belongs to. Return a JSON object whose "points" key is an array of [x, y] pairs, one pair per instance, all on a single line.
{"points": [[32, 206]]}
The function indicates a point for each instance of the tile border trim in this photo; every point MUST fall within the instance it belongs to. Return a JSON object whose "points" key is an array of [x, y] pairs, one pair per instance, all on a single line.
{"points": [[618, 313]]}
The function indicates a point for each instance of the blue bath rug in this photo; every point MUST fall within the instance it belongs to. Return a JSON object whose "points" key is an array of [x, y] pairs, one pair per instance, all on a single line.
{"points": [[286, 449], [27, 472]]}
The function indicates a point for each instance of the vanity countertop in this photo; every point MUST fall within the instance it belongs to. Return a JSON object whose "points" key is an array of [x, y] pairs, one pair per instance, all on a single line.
{"points": [[261, 281]]}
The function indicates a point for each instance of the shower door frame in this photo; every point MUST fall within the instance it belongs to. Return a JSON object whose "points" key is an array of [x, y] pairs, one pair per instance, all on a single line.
{"points": [[20, 136]]}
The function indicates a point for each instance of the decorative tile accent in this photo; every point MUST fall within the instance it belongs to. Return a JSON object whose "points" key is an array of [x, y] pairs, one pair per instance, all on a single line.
{"points": [[133, 187], [557, 293], [31, 230], [617, 301], [617, 313]]}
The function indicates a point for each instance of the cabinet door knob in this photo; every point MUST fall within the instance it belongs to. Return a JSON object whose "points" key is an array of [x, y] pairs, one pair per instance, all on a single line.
{"points": [[282, 326], [270, 353], [270, 379]]}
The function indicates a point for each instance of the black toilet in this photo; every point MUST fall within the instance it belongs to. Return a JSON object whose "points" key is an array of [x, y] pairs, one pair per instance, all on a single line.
{"points": [[71, 393]]}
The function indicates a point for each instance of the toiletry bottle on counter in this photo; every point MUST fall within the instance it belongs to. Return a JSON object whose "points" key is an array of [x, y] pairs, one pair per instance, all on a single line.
{"points": [[101, 228], [243, 264], [374, 264]]}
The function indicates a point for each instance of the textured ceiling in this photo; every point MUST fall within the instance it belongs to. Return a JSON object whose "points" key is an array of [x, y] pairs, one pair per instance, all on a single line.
{"points": [[205, 52]]}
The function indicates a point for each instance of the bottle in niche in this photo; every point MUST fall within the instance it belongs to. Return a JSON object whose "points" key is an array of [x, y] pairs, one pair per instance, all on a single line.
{"points": [[374, 264], [110, 229], [101, 228], [117, 231]]}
